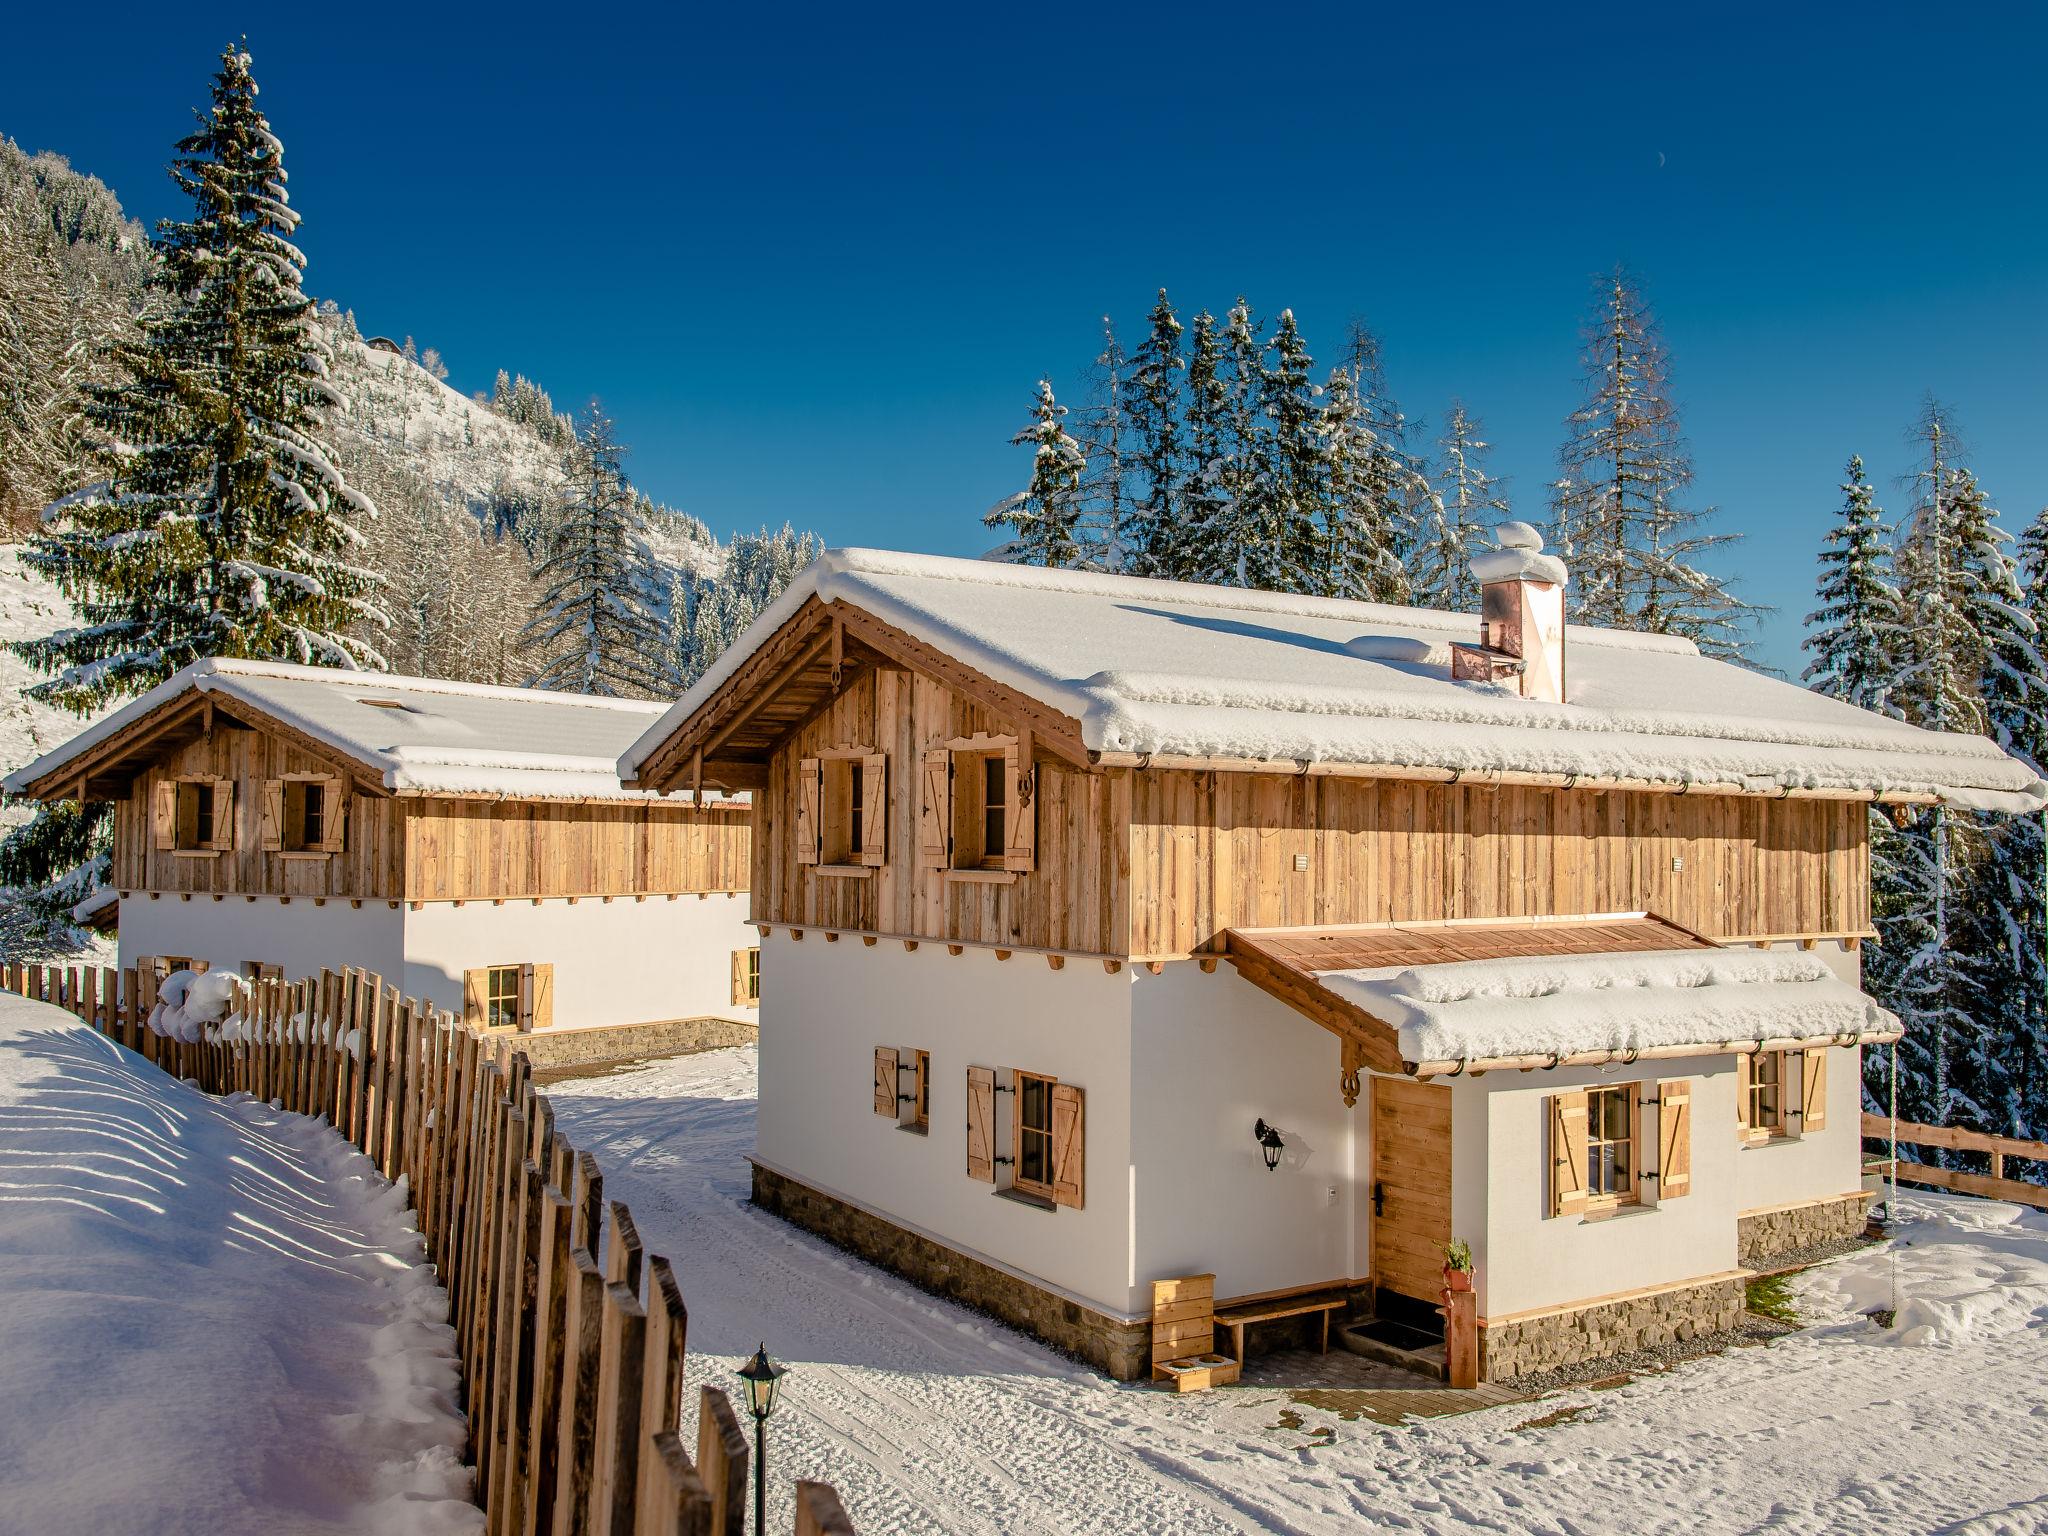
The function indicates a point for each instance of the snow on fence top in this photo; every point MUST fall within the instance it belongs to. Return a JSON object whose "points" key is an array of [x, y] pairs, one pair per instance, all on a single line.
{"points": [[1179, 670], [1565, 1005], [422, 735]]}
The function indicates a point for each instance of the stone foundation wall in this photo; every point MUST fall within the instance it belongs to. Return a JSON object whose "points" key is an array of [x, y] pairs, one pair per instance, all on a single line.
{"points": [[1123, 1350], [1517, 1346], [550, 1048], [1764, 1236]]}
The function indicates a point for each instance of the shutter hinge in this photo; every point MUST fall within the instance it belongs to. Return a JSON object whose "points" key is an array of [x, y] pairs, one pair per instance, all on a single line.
{"points": [[1005, 1088], [1652, 1174], [1004, 1162]]}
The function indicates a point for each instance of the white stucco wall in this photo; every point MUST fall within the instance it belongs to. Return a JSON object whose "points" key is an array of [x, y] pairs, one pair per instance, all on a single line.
{"points": [[824, 1010], [617, 962], [300, 937], [1211, 1056]]}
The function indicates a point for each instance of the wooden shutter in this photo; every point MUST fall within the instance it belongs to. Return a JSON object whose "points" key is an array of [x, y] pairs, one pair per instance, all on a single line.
{"points": [[1813, 1090], [1568, 1153], [885, 1080], [474, 984], [543, 1010], [981, 1124], [874, 809], [935, 810], [1674, 1138], [271, 827], [164, 817], [222, 833], [810, 794], [1021, 823], [739, 978], [525, 1014], [1069, 1142], [1742, 1070], [334, 817]]}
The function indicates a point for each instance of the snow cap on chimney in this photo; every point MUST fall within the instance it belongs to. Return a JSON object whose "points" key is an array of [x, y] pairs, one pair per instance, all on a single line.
{"points": [[1521, 616]]}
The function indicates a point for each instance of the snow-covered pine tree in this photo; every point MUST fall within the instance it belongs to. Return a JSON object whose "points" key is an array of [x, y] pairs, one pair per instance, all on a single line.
{"points": [[1105, 452], [2009, 901], [592, 626], [1472, 501], [1294, 468], [1396, 492], [1853, 636], [1245, 536], [1618, 502], [1198, 549], [1045, 517], [224, 528], [1155, 544], [1358, 549]]}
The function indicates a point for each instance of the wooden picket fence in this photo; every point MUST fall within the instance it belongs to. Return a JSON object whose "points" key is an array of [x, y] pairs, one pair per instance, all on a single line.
{"points": [[570, 1335], [1992, 1186]]}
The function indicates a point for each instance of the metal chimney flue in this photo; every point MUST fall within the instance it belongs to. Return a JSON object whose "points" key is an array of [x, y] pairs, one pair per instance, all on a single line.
{"points": [[1521, 617]]}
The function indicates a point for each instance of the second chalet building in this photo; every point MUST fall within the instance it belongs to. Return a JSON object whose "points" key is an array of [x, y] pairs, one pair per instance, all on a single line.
{"points": [[472, 845], [1117, 930]]}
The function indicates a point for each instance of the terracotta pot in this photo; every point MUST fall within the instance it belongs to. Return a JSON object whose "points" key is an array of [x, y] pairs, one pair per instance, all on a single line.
{"points": [[1457, 1279]]}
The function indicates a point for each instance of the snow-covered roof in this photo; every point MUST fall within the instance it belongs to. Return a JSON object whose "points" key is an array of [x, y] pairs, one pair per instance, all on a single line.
{"points": [[1173, 669], [413, 734], [1576, 1005]]}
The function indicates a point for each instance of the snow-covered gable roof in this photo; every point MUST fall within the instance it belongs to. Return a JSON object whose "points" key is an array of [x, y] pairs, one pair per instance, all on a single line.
{"points": [[411, 734], [1176, 670]]}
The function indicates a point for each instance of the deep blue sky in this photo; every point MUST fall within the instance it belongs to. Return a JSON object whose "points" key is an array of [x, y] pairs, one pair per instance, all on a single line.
{"points": [[814, 263]]}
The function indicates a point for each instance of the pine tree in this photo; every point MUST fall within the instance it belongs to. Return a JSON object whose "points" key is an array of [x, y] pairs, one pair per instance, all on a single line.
{"points": [[1244, 535], [1105, 478], [1396, 494], [1472, 501], [592, 624], [1618, 502], [1853, 635], [1358, 550], [1046, 515], [1294, 469], [1155, 544], [1198, 550], [224, 528]]}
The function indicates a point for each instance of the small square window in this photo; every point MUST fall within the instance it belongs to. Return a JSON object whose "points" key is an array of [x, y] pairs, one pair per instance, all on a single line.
{"points": [[501, 997]]}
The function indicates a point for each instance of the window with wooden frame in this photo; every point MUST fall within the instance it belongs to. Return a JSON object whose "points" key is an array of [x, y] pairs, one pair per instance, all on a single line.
{"points": [[1780, 1094], [1601, 1151], [1048, 1135], [842, 810], [520, 997], [305, 815], [194, 813], [903, 1087], [746, 977], [977, 806]]}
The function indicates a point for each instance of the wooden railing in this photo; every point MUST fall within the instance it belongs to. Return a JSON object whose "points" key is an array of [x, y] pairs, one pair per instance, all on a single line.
{"points": [[570, 1336], [1994, 1186]]}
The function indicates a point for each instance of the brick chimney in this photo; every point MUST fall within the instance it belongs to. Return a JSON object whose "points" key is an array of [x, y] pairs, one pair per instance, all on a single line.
{"points": [[1521, 617]]}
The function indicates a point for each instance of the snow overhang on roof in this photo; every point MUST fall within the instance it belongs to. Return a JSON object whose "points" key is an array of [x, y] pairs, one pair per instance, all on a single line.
{"points": [[1169, 672], [1431, 999], [406, 735]]}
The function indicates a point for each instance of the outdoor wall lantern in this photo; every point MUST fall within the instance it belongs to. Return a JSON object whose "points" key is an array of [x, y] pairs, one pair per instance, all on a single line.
{"points": [[1270, 1144], [761, 1375]]}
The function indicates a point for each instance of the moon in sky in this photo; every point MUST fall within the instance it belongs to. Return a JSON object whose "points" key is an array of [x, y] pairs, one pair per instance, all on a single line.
{"points": [[1660, 159]]}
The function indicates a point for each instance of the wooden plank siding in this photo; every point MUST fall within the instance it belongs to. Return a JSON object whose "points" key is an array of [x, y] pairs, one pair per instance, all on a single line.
{"points": [[468, 850], [1073, 901], [1212, 851], [370, 865]]}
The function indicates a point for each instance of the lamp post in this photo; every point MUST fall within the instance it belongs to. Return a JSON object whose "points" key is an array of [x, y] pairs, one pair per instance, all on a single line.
{"points": [[761, 1375]]}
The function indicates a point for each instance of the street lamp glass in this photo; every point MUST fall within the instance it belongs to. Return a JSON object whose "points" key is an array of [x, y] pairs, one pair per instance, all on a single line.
{"points": [[761, 1376]]}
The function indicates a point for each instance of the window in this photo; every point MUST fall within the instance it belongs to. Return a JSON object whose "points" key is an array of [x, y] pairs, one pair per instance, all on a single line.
{"points": [[903, 1087], [1048, 1134], [975, 806], [841, 809], [305, 814], [1780, 1094], [746, 978], [194, 814], [1033, 1140], [501, 997], [1610, 1145], [921, 1093], [1766, 1095]]}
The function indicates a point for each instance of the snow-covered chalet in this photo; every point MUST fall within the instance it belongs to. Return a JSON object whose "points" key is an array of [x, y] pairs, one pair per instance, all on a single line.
{"points": [[1117, 930], [471, 845]]}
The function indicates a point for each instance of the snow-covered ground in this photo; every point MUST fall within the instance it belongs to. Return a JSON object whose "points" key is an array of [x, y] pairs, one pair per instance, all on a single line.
{"points": [[927, 1417], [29, 609], [213, 1316]]}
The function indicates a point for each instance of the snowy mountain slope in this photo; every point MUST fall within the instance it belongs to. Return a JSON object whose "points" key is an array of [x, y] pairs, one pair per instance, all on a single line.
{"points": [[29, 608]]}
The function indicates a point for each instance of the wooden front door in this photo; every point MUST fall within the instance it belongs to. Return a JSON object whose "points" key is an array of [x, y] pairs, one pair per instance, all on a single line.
{"points": [[1411, 1191]]}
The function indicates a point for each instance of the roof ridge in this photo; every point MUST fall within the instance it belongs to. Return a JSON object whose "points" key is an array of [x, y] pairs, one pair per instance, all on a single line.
{"points": [[351, 677]]}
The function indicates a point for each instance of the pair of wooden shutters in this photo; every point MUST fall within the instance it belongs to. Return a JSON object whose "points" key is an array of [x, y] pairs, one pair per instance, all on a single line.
{"points": [[935, 821], [874, 810], [1813, 1089], [282, 800], [1568, 1143], [1069, 1135], [536, 996], [174, 815]]}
